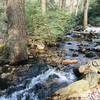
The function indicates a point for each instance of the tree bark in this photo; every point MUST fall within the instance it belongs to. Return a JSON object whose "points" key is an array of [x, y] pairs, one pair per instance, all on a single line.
{"points": [[77, 7], [43, 7], [85, 21], [62, 4], [16, 30]]}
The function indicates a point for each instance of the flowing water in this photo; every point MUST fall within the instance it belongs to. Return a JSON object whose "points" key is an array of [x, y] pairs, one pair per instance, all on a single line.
{"points": [[30, 92], [44, 84]]}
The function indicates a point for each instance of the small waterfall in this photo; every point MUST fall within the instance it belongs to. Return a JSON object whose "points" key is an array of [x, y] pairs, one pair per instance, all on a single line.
{"points": [[28, 92]]}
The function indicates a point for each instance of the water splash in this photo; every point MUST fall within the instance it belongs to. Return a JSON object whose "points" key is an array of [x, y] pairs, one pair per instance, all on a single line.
{"points": [[24, 93]]}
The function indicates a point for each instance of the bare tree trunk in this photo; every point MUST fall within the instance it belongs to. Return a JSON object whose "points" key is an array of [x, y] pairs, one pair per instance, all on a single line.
{"points": [[85, 21], [77, 7], [62, 4], [17, 30], [71, 6], [43, 7]]}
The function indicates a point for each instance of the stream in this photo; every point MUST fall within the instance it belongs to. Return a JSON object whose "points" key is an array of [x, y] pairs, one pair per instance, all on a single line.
{"points": [[50, 79]]}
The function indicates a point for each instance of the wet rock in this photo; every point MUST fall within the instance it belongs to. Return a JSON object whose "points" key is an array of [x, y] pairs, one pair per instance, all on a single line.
{"points": [[4, 84], [84, 43], [90, 54], [51, 77], [74, 35], [4, 69], [89, 49], [41, 90], [97, 48], [77, 73], [69, 43], [82, 49], [38, 87], [71, 49], [75, 54], [78, 28]]}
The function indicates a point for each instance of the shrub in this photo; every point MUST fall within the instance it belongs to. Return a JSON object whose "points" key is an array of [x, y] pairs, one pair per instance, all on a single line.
{"points": [[49, 27]]}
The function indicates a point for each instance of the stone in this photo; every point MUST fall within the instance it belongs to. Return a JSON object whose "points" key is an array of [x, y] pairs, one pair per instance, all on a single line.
{"points": [[40, 46], [76, 89], [87, 69], [4, 84], [82, 49], [77, 73], [69, 43], [97, 48], [91, 66], [5, 75], [79, 89], [75, 54], [90, 54]]}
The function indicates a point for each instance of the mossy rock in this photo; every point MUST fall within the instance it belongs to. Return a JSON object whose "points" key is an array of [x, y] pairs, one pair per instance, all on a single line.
{"points": [[4, 54], [1, 48]]}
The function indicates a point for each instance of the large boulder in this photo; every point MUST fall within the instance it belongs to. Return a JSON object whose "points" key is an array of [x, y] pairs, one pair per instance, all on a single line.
{"points": [[91, 66], [76, 89], [83, 89], [80, 89]]}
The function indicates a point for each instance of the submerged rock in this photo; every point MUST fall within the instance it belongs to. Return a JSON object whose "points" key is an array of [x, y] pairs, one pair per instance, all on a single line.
{"points": [[75, 54], [90, 54], [82, 49], [5, 75]]}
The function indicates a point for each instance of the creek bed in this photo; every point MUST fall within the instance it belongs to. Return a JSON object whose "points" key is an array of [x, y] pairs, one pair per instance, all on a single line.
{"points": [[47, 79]]}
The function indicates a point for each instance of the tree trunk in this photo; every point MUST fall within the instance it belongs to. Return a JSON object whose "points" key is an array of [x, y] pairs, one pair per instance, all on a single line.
{"points": [[77, 7], [16, 30], [43, 7], [85, 21], [62, 4]]}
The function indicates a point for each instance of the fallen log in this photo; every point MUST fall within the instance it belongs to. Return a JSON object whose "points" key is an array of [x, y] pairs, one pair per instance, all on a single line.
{"points": [[96, 40], [81, 32], [68, 61]]}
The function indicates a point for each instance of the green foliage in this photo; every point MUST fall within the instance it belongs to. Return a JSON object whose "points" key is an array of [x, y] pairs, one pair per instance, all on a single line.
{"points": [[94, 13], [49, 27]]}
